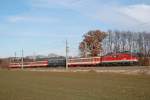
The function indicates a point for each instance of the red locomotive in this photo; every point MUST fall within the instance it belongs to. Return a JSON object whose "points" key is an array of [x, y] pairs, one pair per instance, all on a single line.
{"points": [[109, 59]]}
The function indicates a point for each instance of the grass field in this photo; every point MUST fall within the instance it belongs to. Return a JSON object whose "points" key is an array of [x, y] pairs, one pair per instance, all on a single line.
{"points": [[26, 85]]}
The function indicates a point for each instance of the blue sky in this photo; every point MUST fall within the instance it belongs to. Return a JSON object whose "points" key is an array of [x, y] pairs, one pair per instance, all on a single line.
{"points": [[42, 26]]}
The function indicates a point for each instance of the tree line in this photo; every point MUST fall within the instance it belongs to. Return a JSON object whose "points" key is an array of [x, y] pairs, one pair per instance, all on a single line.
{"points": [[96, 43], [120, 41]]}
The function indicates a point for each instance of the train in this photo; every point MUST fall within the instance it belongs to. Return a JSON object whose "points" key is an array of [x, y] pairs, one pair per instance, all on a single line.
{"points": [[57, 62], [46, 62], [29, 64], [111, 59]]}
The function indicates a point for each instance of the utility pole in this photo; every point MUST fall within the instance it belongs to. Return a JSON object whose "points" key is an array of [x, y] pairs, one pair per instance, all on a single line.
{"points": [[131, 48], [66, 55], [15, 56], [34, 56], [22, 59]]}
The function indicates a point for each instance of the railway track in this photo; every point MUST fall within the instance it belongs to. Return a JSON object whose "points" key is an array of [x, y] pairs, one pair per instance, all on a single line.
{"points": [[131, 70], [112, 67]]}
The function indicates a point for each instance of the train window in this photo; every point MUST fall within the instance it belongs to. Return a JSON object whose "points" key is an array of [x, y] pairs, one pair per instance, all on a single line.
{"points": [[79, 60], [71, 61], [97, 59], [85, 60], [114, 56], [90, 60]]}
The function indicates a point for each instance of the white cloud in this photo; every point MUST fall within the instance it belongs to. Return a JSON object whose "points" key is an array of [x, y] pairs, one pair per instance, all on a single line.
{"points": [[119, 16], [139, 12], [41, 19], [49, 3], [129, 17], [114, 14]]}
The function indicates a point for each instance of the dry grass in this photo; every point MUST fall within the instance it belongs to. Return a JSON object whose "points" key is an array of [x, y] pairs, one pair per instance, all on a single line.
{"points": [[26, 85]]}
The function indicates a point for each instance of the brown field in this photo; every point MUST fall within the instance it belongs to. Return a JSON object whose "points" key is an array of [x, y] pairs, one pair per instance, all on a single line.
{"points": [[34, 85]]}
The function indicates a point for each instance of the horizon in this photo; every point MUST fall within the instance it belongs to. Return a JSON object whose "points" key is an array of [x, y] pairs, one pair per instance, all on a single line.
{"points": [[43, 26]]}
